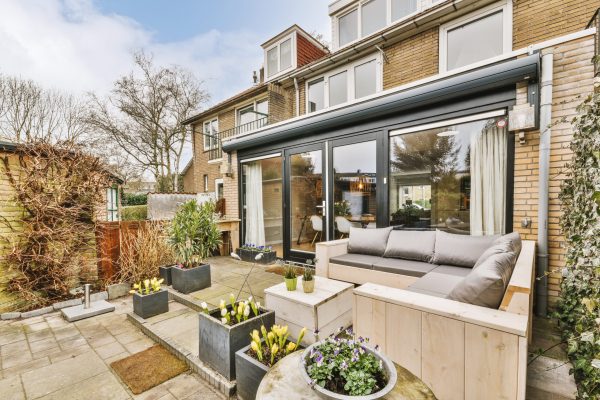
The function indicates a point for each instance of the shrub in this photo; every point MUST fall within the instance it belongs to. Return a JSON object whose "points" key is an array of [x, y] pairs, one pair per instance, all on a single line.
{"points": [[579, 308], [142, 252], [134, 199], [134, 213]]}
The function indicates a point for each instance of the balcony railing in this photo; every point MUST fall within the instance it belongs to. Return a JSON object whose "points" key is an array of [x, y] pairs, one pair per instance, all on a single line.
{"points": [[216, 152]]}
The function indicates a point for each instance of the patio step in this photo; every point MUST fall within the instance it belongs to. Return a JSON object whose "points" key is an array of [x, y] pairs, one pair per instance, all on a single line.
{"points": [[549, 379], [184, 353]]}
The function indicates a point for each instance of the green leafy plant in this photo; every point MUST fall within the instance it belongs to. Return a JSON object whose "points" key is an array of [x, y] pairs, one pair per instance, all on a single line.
{"points": [[148, 286], [308, 274], [341, 208], [342, 365], [194, 234], [579, 307], [274, 344]]}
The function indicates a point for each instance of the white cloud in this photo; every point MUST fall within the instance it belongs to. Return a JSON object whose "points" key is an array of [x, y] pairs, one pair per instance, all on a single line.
{"points": [[71, 45]]}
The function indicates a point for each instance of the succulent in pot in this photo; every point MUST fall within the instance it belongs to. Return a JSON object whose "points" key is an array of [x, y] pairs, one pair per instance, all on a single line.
{"points": [[308, 278], [347, 368], [193, 236], [149, 299], [290, 275]]}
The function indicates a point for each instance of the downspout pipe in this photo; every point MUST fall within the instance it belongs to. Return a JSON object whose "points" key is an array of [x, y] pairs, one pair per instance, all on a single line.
{"points": [[297, 96], [544, 168]]}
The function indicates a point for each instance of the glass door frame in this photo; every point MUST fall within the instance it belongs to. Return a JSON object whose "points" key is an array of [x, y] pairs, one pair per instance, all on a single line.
{"points": [[289, 253], [381, 176]]}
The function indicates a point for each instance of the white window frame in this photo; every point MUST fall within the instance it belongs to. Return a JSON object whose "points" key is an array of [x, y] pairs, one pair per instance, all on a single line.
{"points": [[252, 103], [219, 181], [292, 37], [212, 145], [350, 84], [112, 209], [507, 30]]}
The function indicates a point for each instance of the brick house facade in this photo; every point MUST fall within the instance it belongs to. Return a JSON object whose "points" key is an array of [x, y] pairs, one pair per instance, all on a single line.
{"points": [[409, 54]]}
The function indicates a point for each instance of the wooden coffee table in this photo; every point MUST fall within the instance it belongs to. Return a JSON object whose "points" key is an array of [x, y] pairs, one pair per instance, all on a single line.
{"points": [[284, 381], [325, 310]]}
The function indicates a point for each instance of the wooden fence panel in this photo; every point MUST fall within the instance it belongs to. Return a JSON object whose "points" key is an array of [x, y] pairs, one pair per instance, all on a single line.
{"points": [[109, 241]]}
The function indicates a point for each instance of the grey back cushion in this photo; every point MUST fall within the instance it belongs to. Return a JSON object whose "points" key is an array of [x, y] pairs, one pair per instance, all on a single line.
{"points": [[507, 243], [411, 245], [368, 241], [486, 284], [460, 250]]}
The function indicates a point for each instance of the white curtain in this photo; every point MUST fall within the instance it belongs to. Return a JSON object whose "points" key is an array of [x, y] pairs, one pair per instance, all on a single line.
{"points": [[488, 180], [255, 225]]}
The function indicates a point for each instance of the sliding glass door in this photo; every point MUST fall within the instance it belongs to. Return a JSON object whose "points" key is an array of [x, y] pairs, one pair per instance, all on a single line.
{"points": [[305, 201]]}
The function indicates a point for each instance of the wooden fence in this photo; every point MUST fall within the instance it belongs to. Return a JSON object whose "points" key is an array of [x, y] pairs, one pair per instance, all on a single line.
{"points": [[110, 241]]}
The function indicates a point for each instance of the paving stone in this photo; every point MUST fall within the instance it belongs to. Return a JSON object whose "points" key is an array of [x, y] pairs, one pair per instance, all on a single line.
{"points": [[53, 377], [11, 389], [139, 345], [104, 386], [118, 290], [14, 348], [15, 359], [35, 326], [67, 303], [28, 366], [117, 357], [43, 344], [52, 351], [185, 384], [66, 332], [71, 353], [128, 337], [10, 315], [40, 335], [35, 313], [99, 296], [110, 350], [72, 342]]}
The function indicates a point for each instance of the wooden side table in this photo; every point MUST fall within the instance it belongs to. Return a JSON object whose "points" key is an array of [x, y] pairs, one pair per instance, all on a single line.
{"points": [[284, 381], [326, 309]]}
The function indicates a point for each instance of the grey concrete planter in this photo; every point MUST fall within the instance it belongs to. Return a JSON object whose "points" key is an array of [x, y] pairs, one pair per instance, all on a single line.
{"points": [[269, 257], [149, 305], [190, 280], [389, 369], [218, 342], [165, 273], [249, 373]]}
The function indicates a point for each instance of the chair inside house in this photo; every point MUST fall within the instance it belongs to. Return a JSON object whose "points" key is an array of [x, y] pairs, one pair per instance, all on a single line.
{"points": [[317, 226], [343, 226]]}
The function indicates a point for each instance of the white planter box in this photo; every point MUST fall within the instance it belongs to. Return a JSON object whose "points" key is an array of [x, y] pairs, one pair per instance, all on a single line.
{"points": [[326, 309]]}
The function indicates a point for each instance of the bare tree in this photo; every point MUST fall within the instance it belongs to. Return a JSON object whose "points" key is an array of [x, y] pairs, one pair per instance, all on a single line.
{"points": [[30, 113], [144, 115]]}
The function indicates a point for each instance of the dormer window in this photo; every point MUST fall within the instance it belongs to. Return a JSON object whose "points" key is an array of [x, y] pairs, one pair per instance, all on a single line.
{"points": [[279, 57]]}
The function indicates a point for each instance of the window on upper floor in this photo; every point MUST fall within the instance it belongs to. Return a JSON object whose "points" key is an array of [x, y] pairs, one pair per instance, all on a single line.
{"points": [[402, 8], [348, 27], [476, 37], [211, 134], [353, 81], [279, 57], [373, 16], [252, 116]]}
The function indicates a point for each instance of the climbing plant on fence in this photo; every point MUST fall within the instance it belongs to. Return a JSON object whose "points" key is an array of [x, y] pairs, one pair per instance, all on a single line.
{"points": [[58, 190], [579, 308]]}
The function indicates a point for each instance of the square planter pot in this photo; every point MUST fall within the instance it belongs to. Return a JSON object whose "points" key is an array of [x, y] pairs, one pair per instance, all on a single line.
{"points": [[149, 305], [249, 374], [190, 280], [165, 273], [218, 342], [269, 257]]}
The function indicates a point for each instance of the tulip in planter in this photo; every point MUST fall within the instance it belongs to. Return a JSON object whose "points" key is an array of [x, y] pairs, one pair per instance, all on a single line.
{"points": [[225, 330], [149, 299], [193, 237], [254, 361], [248, 253]]}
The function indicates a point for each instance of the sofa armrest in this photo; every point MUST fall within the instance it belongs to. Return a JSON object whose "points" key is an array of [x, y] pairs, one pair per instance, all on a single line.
{"points": [[495, 319], [326, 250]]}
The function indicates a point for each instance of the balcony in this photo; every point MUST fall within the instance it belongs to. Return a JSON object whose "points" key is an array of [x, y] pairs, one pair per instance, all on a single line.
{"points": [[216, 152]]}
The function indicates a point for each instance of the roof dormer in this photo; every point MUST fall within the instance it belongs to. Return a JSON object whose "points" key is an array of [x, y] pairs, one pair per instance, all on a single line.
{"points": [[289, 50]]}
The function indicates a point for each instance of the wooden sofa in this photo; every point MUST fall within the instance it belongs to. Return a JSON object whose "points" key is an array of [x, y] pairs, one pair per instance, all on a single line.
{"points": [[461, 351]]}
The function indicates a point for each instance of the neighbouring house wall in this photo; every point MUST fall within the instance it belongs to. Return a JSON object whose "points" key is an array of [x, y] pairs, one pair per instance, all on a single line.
{"points": [[279, 104], [189, 182], [201, 165], [412, 59], [572, 80], [230, 189], [306, 51], [535, 21]]}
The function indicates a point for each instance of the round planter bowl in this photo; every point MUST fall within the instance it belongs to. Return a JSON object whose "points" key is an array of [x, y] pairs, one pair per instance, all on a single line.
{"points": [[389, 370]]}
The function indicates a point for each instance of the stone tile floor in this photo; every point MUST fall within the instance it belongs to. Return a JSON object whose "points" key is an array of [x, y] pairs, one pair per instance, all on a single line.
{"points": [[48, 358]]}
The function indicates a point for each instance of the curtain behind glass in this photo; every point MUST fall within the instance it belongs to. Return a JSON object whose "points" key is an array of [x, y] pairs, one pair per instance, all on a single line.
{"points": [[255, 226], [488, 180]]}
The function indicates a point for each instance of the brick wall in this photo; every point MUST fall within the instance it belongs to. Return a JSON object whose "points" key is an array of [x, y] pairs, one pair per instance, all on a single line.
{"points": [[230, 189], [201, 165], [573, 75], [307, 51], [280, 104], [412, 59], [189, 181], [535, 21]]}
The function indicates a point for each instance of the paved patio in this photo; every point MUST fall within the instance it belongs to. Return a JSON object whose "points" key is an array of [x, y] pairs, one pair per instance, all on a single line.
{"points": [[48, 358]]}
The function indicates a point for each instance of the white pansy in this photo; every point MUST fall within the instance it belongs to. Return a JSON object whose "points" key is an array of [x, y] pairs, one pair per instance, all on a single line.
{"points": [[223, 312], [223, 320], [204, 305]]}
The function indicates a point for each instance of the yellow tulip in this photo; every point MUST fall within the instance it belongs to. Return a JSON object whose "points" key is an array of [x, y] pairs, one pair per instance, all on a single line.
{"points": [[290, 347]]}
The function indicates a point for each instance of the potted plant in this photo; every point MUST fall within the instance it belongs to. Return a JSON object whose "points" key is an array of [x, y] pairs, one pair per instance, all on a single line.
{"points": [[290, 277], [225, 330], [248, 252], [165, 273], [254, 361], [193, 237], [308, 280], [149, 299], [345, 368]]}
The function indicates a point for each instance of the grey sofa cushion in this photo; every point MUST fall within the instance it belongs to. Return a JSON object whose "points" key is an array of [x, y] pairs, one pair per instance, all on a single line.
{"points": [[460, 250], [404, 267], [368, 241], [410, 245], [441, 281], [355, 260], [507, 243], [485, 285]]}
